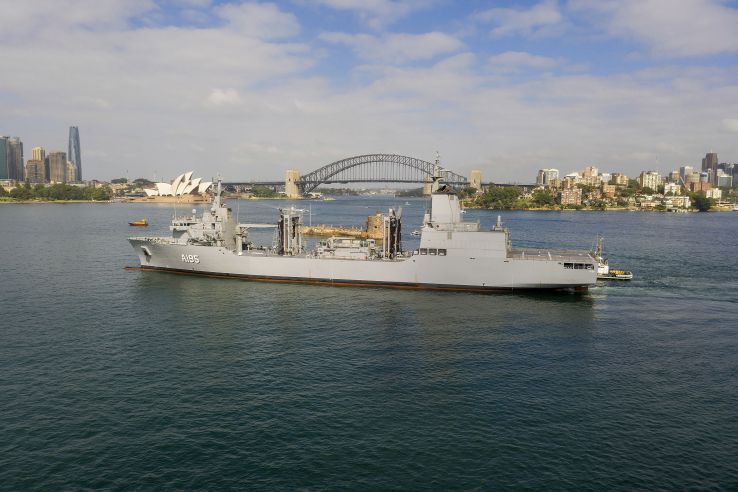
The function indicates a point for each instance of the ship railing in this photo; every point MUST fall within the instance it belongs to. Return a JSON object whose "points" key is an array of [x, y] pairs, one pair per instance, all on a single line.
{"points": [[550, 255]]}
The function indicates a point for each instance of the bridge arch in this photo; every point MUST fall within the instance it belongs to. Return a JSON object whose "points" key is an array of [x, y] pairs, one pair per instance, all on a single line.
{"points": [[375, 168]]}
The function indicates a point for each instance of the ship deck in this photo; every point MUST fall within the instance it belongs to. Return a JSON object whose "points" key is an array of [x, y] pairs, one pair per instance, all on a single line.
{"points": [[568, 256]]}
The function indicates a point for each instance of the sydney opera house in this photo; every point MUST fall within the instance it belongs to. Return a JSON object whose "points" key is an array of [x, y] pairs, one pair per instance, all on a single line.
{"points": [[182, 186]]}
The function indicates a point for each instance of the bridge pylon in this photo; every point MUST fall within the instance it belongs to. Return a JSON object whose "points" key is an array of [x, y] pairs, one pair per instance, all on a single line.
{"points": [[292, 183]]}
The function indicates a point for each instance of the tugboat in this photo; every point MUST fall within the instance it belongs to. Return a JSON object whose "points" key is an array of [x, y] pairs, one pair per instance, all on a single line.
{"points": [[604, 272], [139, 223]]}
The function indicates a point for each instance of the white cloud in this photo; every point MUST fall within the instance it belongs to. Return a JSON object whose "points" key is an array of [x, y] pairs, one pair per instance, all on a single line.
{"points": [[537, 20], [223, 97], [397, 48], [377, 14], [264, 20], [731, 124], [512, 61], [685, 28]]}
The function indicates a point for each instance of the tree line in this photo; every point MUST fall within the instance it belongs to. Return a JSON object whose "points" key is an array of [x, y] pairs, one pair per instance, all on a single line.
{"points": [[59, 191]]}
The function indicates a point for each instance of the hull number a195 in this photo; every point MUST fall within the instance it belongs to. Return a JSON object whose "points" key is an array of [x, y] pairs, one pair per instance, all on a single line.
{"points": [[191, 258]]}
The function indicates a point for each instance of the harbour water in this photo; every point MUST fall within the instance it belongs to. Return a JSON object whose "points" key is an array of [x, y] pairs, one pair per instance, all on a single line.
{"points": [[125, 379]]}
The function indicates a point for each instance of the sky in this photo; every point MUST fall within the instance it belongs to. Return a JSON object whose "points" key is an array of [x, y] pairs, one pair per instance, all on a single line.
{"points": [[250, 89]]}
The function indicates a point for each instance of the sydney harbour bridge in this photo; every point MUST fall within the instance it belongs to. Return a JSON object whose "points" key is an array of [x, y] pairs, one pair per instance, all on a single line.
{"points": [[369, 168]]}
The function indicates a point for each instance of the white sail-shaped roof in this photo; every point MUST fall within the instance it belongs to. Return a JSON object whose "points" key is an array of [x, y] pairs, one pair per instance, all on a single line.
{"points": [[182, 185], [151, 191], [188, 176], [176, 182], [204, 186], [164, 189], [192, 185]]}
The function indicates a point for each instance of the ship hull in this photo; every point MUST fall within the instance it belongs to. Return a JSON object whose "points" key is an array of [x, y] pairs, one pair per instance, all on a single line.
{"points": [[451, 273]]}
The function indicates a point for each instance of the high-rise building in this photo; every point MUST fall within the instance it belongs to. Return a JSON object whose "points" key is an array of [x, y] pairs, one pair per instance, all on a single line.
{"points": [[36, 171], [546, 177], [58, 167], [649, 179], [710, 163], [4, 171], [38, 154], [71, 172], [11, 158], [74, 153]]}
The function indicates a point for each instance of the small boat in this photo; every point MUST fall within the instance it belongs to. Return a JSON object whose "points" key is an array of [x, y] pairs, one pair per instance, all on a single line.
{"points": [[604, 272], [415, 233], [139, 223]]}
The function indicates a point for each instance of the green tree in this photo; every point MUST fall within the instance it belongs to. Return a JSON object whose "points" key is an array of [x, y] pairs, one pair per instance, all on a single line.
{"points": [[142, 182], [501, 197], [543, 198], [119, 180], [263, 192], [3, 192], [701, 202]]}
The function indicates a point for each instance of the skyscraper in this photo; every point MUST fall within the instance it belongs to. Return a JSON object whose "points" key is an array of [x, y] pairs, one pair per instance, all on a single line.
{"points": [[710, 162], [11, 158], [74, 154], [38, 154], [15, 159], [58, 167], [4, 171]]}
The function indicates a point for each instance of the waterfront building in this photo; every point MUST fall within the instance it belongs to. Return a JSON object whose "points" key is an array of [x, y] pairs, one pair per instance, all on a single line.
{"points": [[681, 201], [673, 188], [57, 167], [36, 171], [619, 179], [649, 179], [71, 172], [571, 196], [714, 193], [74, 152], [38, 154]]}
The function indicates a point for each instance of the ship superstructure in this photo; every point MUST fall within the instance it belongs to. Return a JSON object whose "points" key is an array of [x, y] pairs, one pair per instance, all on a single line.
{"points": [[453, 254]]}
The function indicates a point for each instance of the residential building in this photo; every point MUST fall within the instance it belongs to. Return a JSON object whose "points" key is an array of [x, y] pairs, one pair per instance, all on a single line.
{"points": [[619, 179], [36, 171], [649, 179], [685, 171], [74, 152], [681, 201], [723, 180], [11, 158], [674, 176], [698, 186], [38, 154], [609, 190], [4, 170], [714, 193], [57, 167], [571, 196], [673, 188]]}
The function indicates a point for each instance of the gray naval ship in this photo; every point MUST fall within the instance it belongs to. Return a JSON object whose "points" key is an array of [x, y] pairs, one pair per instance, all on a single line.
{"points": [[453, 255]]}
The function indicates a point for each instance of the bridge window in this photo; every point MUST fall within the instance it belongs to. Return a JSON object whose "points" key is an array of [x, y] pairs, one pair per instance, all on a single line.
{"points": [[423, 251], [569, 266], [441, 252]]}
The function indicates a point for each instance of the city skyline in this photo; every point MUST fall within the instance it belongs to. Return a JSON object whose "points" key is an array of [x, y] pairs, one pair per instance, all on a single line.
{"points": [[250, 90]]}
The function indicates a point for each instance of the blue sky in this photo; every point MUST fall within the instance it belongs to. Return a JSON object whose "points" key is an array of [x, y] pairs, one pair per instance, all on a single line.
{"points": [[250, 89]]}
